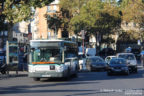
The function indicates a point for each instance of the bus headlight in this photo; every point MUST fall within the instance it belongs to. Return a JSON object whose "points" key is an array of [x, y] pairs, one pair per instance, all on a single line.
{"points": [[60, 68], [31, 69]]}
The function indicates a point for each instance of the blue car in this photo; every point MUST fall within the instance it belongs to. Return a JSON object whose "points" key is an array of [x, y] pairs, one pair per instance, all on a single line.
{"points": [[118, 66]]}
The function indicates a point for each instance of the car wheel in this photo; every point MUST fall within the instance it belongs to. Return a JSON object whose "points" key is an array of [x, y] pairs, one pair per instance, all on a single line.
{"points": [[127, 73], [109, 74], [36, 79], [68, 76], [135, 71], [75, 75], [3, 72]]}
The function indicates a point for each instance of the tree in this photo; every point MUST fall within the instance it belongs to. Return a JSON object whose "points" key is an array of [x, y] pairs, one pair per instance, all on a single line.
{"points": [[133, 11], [54, 22], [98, 18], [19, 10], [70, 9]]}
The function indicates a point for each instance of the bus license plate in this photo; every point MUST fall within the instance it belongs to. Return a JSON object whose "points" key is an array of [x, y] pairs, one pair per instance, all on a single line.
{"points": [[46, 75]]}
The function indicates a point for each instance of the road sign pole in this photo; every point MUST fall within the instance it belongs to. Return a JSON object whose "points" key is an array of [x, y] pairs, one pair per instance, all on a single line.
{"points": [[83, 37]]}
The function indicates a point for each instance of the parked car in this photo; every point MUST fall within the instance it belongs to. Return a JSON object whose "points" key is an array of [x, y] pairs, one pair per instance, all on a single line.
{"points": [[108, 58], [118, 66], [95, 63], [2, 56], [131, 60]]}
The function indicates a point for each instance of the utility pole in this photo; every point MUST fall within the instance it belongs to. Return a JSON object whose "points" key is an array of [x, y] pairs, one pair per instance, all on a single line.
{"points": [[83, 37]]}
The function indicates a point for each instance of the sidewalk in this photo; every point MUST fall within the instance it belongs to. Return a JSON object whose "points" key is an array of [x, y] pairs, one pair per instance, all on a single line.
{"points": [[13, 74], [140, 67]]}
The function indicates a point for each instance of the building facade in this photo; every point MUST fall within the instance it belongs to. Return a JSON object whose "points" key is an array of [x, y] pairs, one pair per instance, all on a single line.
{"points": [[39, 25], [20, 32]]}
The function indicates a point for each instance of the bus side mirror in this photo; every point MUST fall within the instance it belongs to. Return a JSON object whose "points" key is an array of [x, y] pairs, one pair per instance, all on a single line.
{"points": [[32, 49]]}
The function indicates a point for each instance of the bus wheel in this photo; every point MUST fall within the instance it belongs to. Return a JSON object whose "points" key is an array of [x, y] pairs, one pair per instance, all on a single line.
{"points": [[36, 79], [75, 75], [68, 76], [3, 72]]}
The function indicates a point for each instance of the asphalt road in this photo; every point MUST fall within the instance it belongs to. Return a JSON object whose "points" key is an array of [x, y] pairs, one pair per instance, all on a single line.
{"points": [[87, 84]]}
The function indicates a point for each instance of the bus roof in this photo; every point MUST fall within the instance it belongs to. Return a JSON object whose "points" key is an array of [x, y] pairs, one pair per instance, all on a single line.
{"points": [[53, 40]]}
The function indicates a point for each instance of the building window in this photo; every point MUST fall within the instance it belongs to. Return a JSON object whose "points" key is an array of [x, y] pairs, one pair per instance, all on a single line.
{"points": [[1, 33], [52, 9], [49, 9], [55, 8], [5, 33]]}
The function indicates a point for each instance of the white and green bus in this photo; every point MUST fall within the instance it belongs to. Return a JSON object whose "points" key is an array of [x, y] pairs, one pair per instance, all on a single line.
{"points": [[52, 59]]}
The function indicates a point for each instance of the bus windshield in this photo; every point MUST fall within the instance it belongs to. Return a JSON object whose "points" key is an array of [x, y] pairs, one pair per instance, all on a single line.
{"points": [[47, 55]]}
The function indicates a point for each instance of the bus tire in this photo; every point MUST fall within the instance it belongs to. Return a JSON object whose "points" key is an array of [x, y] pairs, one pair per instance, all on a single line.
{"points": [[36, 79], [68, 75], [75, 75], [3, 72], [135, 71]]}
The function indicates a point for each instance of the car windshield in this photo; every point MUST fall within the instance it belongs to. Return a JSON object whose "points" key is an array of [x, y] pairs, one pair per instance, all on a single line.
{"points": [[96, 60], [127, 56], [117, 61], [80, 57]]}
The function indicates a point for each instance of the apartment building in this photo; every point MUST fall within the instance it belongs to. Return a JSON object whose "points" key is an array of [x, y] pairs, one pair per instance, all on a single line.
{"points": [[130, 26], [39, 25], [20, 32]]}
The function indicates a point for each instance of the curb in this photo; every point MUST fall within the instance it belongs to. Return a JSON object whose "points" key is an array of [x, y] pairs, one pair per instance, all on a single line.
{"points": [[14, 74]]}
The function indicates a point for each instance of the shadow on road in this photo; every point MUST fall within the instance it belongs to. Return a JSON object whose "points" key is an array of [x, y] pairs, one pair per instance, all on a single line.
{"points": [[36, 88], [92, 76], [83, 79]]}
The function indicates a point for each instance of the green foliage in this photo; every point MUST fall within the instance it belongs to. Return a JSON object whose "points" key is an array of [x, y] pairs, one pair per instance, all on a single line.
{"points": [[54, 22], [70, 9], [3, 25], [97, 16], [2, 17], [94, 16], [39, 3], [18, 10], [133, 11]]}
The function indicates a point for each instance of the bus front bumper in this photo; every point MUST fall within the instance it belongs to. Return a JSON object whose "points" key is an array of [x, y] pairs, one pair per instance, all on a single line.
{"points": [[46, 74]]}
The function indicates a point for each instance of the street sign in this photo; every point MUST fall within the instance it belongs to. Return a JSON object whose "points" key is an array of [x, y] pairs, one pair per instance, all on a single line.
{"points": [[83, 34], [139, 42]]}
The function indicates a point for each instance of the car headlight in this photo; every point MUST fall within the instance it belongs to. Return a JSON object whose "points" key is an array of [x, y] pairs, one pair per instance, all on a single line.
{"points": [[111, 68]]}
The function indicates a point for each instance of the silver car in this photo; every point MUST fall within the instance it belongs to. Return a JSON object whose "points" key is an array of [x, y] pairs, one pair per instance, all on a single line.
{"points": [[131, 60]]}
